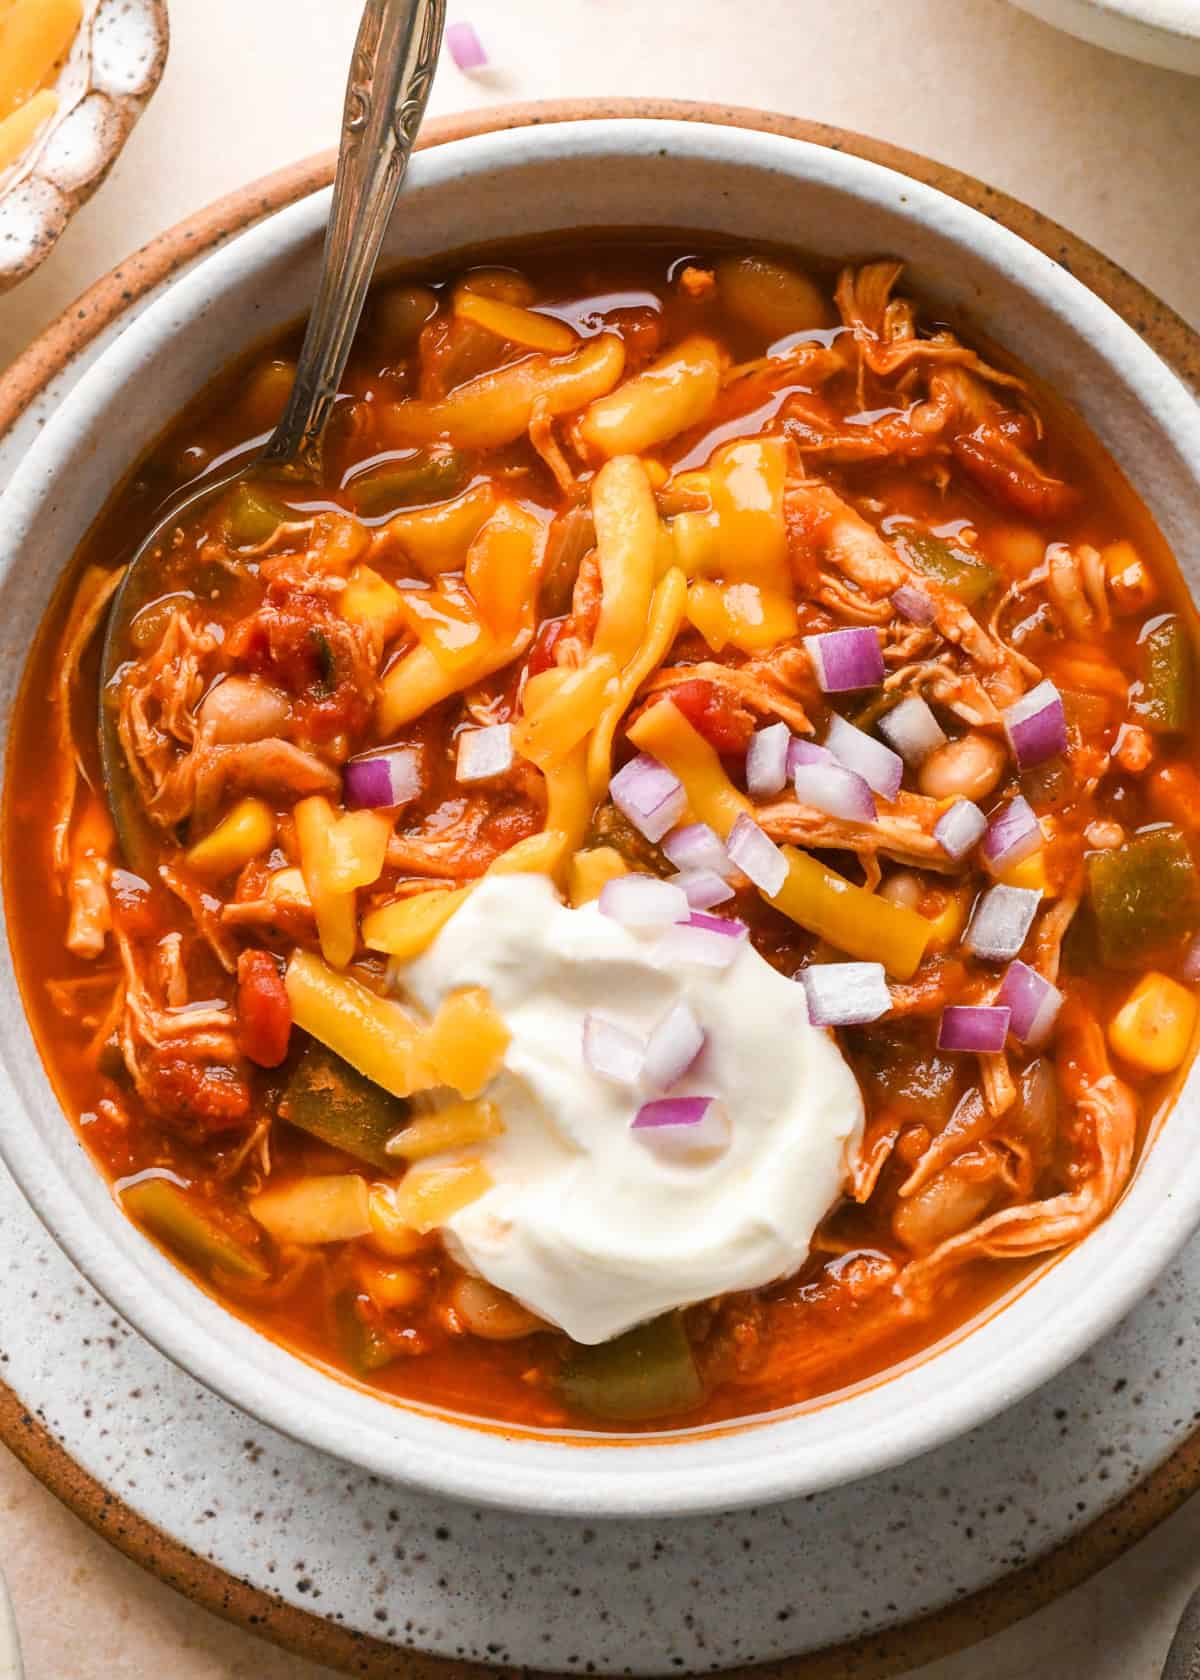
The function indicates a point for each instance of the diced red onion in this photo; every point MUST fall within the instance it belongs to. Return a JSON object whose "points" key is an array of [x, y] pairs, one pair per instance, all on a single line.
{"points": [[845, 994], [648, 794], [1189, 968], [704, 941], [913, 604], [466, 49], [959, 828], [643, 901], [727, 926], [484, 753], [836, 791], [1033, 1001], [879, 766], [1013, 833], [672, 1047], [806, 752], [697, 847], [611, 1051], [913, 730], [766, 761], [756, 855], [684, 1128], [704, 887], [846, 659], [382, 779], [1002, 920], [979, 1027], [1036, 725]]}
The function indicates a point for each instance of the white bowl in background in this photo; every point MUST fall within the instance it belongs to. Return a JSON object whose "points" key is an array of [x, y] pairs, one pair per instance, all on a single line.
{"points": [[1162, 32], [598, 174]]}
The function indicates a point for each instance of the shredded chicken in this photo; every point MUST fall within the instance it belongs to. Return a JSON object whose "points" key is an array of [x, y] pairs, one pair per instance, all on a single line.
{"points": [[904, 832], [183, 1058], [96, 590], [156, 718], [770, 685], [1105, 1123]]}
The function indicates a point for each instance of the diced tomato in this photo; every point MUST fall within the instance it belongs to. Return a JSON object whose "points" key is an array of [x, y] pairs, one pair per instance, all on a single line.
{"points": [[264, 1013], [715, 713], [994, 455], [204, 1096], [541, 654]]}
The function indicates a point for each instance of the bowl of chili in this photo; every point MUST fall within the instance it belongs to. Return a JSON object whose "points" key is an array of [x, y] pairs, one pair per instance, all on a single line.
{"points": [[874, 771]]}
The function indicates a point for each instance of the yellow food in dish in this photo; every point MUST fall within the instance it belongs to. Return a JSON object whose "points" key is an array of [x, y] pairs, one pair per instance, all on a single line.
{"points": [[35, 35]]}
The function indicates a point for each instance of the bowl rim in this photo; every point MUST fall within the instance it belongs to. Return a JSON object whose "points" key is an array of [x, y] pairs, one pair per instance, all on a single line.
{"points": [[662, 1491]]}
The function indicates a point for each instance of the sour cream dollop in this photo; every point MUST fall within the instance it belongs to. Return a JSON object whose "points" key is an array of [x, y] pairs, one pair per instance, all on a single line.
{"points": [[585, 1224]]}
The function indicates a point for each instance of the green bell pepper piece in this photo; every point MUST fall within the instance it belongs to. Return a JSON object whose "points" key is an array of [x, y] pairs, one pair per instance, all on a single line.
{"points": [[252, 516], [424, 478], [364, 1347], [648, 1372], [1145, 897], [959, 572], [1168, 671], [190, 1230], [332, 1101]]}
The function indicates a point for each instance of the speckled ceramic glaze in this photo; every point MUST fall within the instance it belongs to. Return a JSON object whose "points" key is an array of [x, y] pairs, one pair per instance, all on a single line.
{"points": [[112, 69], [540, 179], [1163, 32], [891, 1571]]}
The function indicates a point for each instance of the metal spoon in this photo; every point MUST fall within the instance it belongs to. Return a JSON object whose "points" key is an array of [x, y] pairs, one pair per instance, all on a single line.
{"points": [[391, 74]]}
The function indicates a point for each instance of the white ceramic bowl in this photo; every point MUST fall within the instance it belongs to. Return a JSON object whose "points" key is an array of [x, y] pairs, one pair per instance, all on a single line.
{"points": [[1162, 32], [627, 174]]}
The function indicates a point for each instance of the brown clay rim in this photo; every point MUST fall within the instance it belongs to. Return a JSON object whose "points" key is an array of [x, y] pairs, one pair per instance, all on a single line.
{"points": [[875, 1657]]}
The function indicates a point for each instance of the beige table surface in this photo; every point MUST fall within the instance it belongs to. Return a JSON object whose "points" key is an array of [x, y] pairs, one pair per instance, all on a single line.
{"points": [[1109, 148]]}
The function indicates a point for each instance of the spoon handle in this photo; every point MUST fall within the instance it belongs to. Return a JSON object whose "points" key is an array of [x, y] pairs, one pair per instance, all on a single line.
{"points": [[395, 57]]}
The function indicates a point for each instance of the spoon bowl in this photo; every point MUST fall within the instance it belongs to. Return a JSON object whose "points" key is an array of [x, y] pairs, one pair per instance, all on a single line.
{"points": [[391, 74]]}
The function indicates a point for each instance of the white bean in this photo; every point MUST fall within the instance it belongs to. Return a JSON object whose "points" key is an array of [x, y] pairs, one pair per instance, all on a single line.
{"points": [[489, 1312], [966, 769], [242, 709]]}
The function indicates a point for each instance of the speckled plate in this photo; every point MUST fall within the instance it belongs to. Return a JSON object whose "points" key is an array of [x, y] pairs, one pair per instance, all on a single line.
{"points": [[115, 63], [864, 1581]]}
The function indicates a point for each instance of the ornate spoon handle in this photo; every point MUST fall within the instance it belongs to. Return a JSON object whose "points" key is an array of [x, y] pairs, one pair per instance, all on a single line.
{"points": [[395, 57]]}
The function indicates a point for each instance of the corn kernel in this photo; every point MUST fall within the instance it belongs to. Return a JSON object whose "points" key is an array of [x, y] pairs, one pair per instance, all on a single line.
{"points": [[591, 871], [947, 925], [1154, 1026], [391, 1235], [1129, 581], [246, 832], [392, 1288]]}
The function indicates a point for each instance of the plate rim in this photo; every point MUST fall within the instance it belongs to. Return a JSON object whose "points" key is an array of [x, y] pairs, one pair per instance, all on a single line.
{"points": [[874, 1657]]}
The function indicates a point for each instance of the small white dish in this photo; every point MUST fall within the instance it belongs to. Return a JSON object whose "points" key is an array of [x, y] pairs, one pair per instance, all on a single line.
{"points": [[114, 65], [1162, 32]]}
